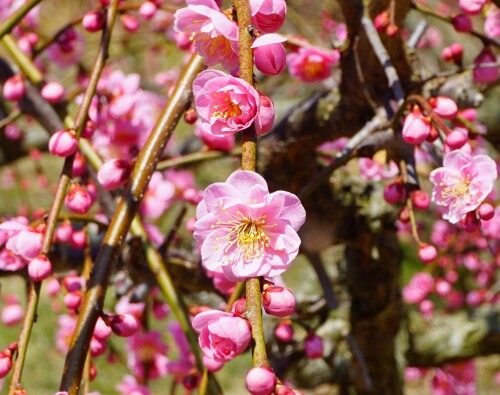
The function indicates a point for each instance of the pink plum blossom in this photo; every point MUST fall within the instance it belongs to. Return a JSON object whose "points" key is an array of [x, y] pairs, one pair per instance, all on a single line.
{"points": [[158, 196], [265, 117], [462, 184], [185, 363], [53, 92], [268, 15], [39, 268], [225, 104], [223, 336], [492, 22], [215, 36], [416, 127], [312, 64], [63, 143], [278, 301], [245, 230], [420, 285], [147, 354]]}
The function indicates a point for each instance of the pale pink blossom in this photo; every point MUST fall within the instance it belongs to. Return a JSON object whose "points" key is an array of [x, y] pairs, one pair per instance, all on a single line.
{"points": [[268, 15], [245, 230], [223, 336], [462, 184], [158, 196], [130, 386], [376, 170], [312, 64], [215, 36], [21, 240], [225, 104], [492, 22]]}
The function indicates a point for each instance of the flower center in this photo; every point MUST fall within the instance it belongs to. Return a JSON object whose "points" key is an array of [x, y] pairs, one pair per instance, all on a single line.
{"points": [[247, 234], [313, 68], [458, 190], [225, 107]]}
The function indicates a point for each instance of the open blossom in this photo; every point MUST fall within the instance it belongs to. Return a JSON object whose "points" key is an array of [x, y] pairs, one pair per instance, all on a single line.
{"points": [[225, 104], [245, 230], [312, 64], [462, 184], [214, 35], [223, 336]]}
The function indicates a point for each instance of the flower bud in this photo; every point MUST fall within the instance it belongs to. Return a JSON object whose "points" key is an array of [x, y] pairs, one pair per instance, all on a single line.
{"points": [[484, 75], [269, 54], [284, 331], [73, 300], [211, 364], [78, 240], [101, 330], [461, 23], [123, 325], [453, 53], [114, 173], [420, 200], [471, 7], [14, 88], [12, 314], [486, 211], [470, 223], [63, 143], [278, 301], [79, 165], [268, 15], [72, 283], [78, 199], [416, 127], [444, 107], [457, 138], [261, 381], [39, 268], [382, 21], [5, 363], [53, 92], [265, 117], [427, 253], [130, 22], [239, 306], [313, 346], [93, 21], [442, 287], [394, 192], [147, 10]]}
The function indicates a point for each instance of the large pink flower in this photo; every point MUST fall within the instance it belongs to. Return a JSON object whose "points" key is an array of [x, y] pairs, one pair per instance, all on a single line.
{"points": [[214, 35], [244, 230], [462, 184], [225, 104], [223, 336]]}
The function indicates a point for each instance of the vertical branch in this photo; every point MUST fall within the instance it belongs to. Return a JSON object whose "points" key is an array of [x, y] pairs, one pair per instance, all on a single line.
{"points": [[120, 224], [248, 158], [60, 194]]}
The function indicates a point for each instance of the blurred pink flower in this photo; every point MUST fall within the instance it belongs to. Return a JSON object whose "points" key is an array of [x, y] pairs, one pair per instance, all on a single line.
{"points": [[158, 196], [420, 285], [268, 15], [223, 336], [492, 21], [482, 73], [312, 64], [246, 230], [185, 363], [130, 386], [462, 184], [147, 354], [225, 104], [215, 36], [454, 379]]}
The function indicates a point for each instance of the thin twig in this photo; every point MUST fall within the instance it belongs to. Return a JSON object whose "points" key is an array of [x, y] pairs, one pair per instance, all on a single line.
{"points": [[196, 157], [16, 17]]}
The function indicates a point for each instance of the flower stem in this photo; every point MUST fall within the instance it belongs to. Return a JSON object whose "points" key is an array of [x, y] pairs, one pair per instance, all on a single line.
{"points": [[248, 159], [62, 187]]}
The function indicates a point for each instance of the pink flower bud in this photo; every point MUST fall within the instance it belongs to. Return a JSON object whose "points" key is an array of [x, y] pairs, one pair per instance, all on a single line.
{"points": [[211, 364], [416, 127], [114, 173], [239, 307], [78, 199], [88, 129], [471, 7], [101, 330], [52, 287], [284, 331], [130, 22], [147, 10], [219, 143], [73, 300], [484, 75], [5, 363], [420, 200], [486, 211], [123, 325], [427, 253], [63, 232], [190, 116], [93, 21], [268, 15], [313, 346], [394, 193], [392, 30], [160, 309], [442, 287], [457, 138], [12, 314], [453, 53], [79, 165], [470, 223], [14, 88], [261, 381], [269, 54], [39, 268], [382, 21], [63, 143], [461, 23], [53, 92], [278, 301], [72, 283], [265, 117], [474, 298], [78, 240], [284, 390], [444, 107]]}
